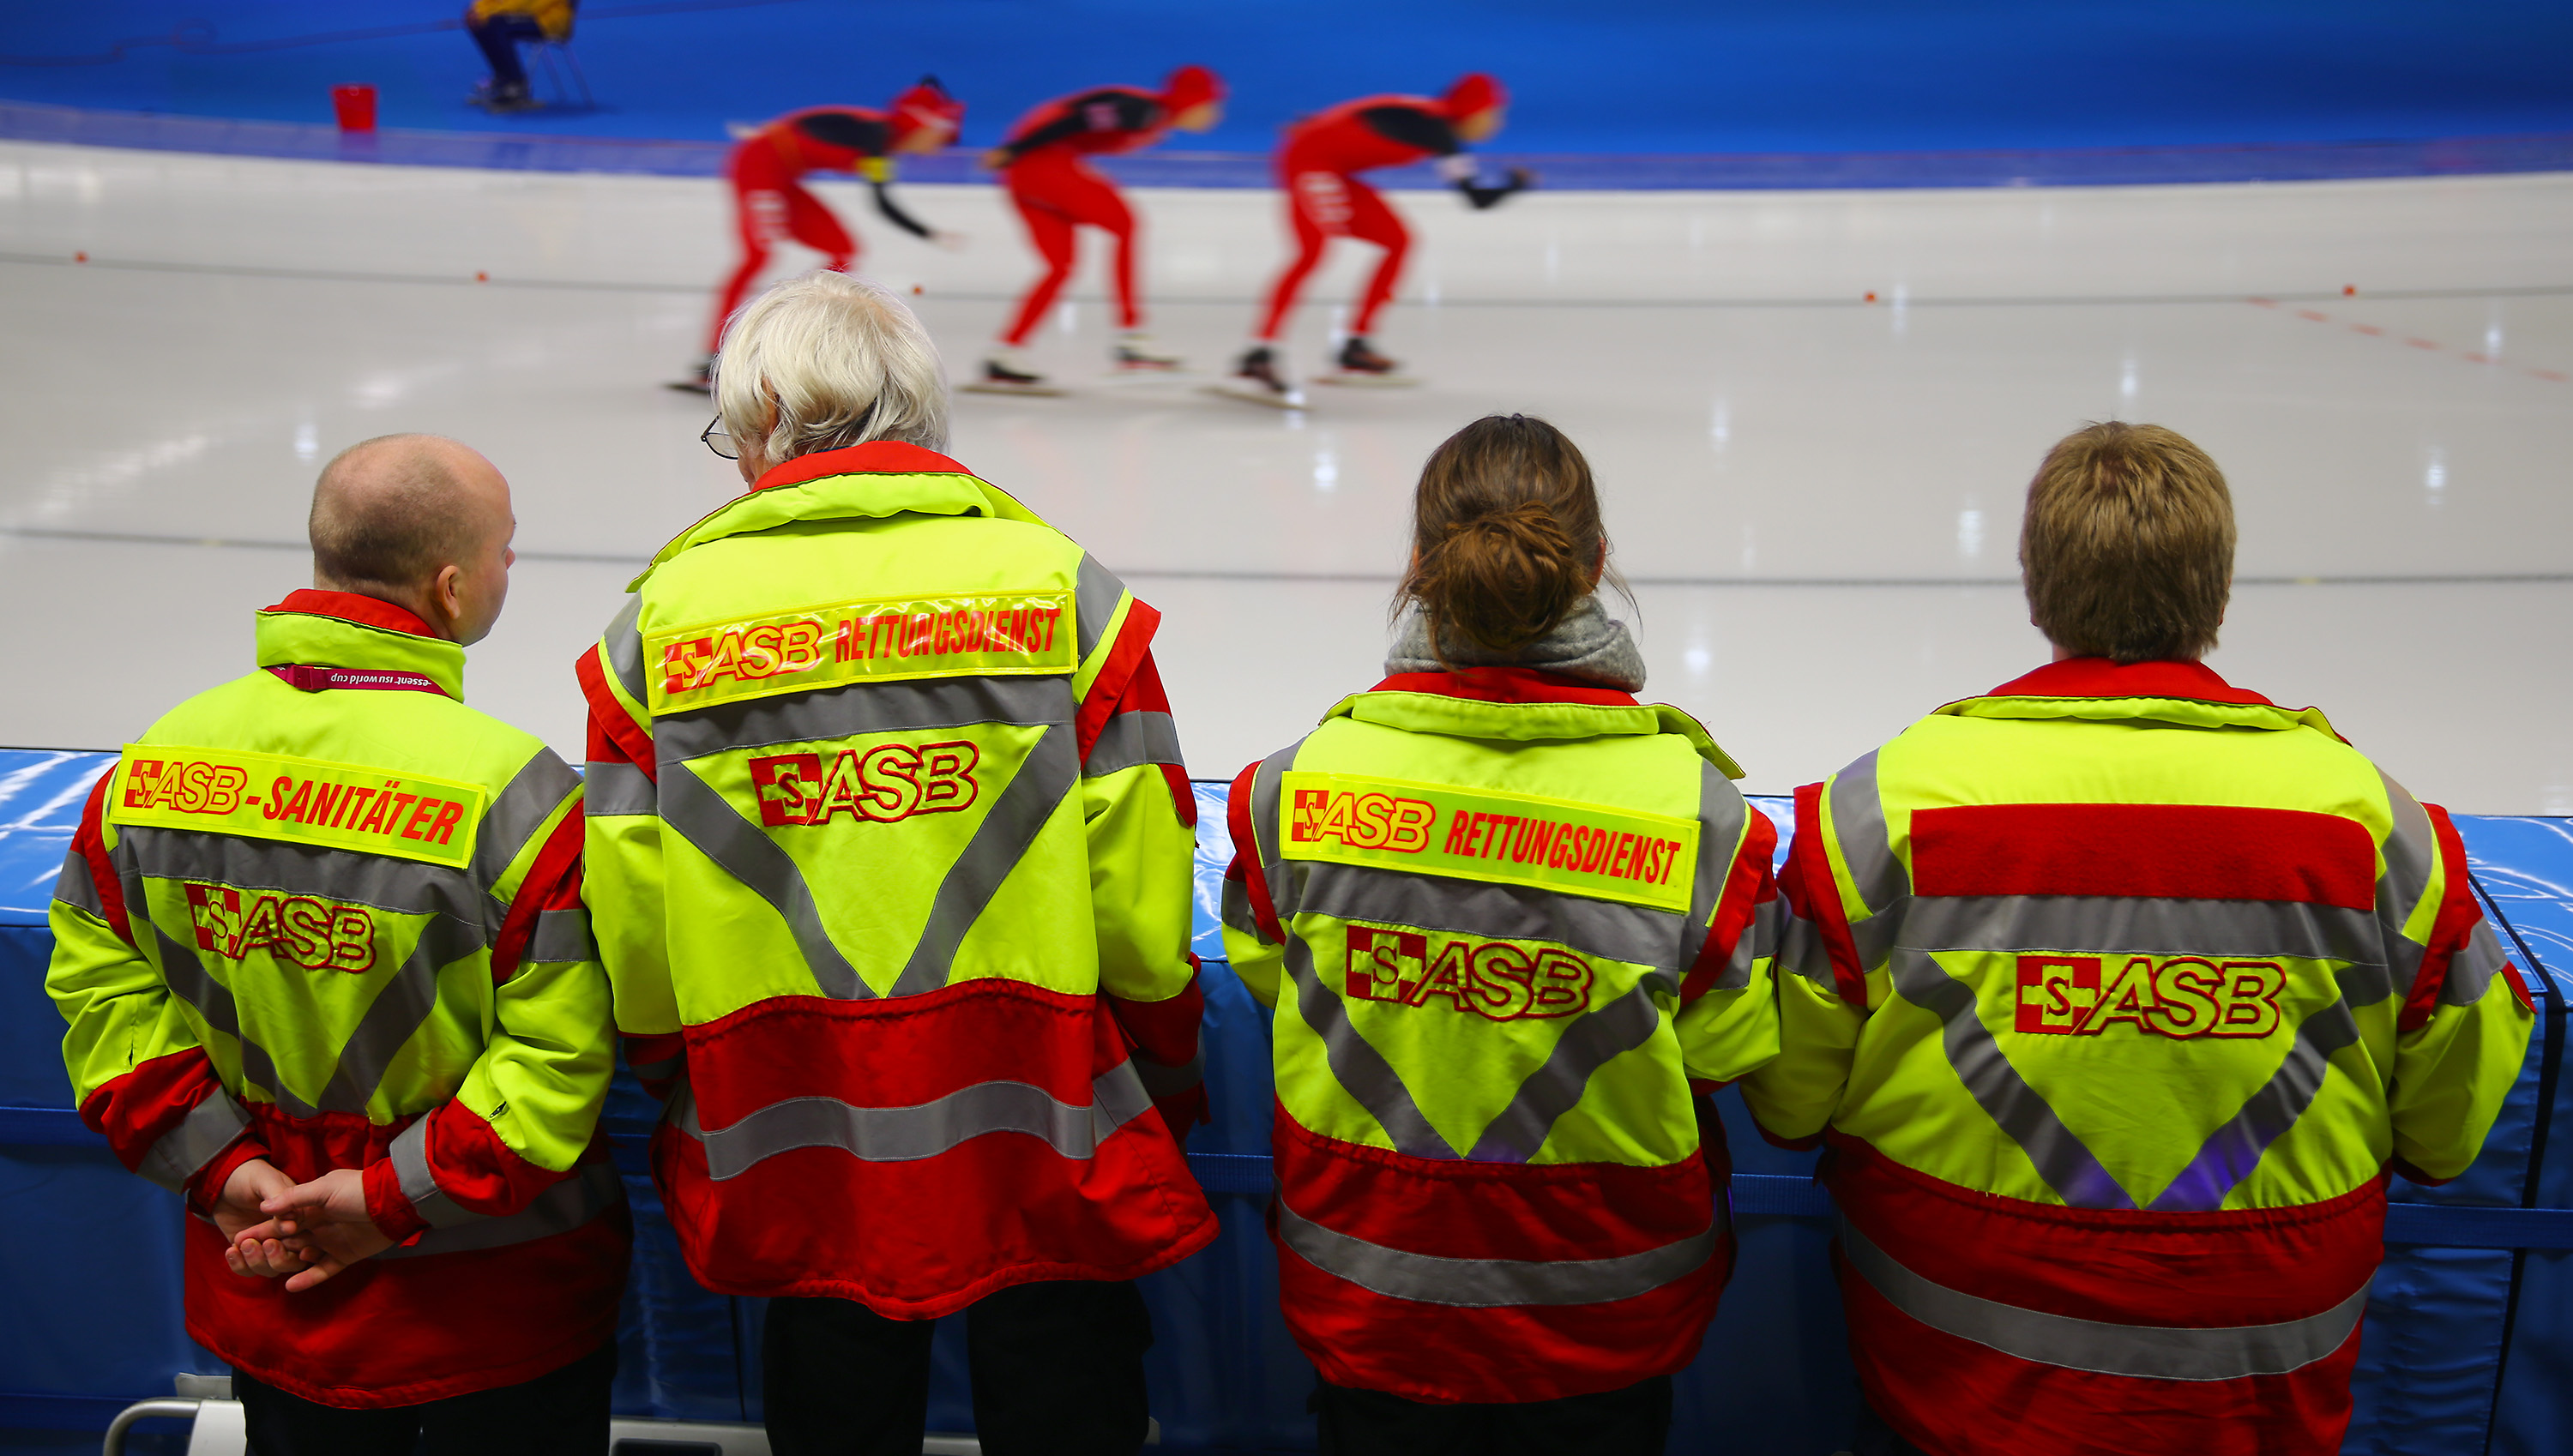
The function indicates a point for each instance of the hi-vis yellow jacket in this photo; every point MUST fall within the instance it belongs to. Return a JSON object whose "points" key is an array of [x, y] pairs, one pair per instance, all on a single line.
{"points": [[1506, 918], [328, 916], [2119, 990], [889, 857]]}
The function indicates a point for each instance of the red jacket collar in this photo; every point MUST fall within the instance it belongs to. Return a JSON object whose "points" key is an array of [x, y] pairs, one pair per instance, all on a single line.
{"points": [[1507, 685], [2097, 677], [347, 606], [875, 457]]}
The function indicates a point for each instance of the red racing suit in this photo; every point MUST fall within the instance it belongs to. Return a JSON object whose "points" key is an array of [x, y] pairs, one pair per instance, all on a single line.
{"points": [[1319, 167], [770, 204], [1057, 191]]}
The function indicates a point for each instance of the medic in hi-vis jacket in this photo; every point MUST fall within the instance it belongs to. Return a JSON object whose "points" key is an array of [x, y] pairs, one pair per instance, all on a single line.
{"points": [[325, 919]]}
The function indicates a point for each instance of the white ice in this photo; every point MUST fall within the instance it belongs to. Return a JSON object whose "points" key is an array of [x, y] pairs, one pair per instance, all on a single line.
{"points": [[1816, 497]]}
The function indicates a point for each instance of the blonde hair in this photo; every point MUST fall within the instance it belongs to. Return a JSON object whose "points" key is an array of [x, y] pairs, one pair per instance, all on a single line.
{"points": [[2127, 546], [1506, 534], [825, 362]]}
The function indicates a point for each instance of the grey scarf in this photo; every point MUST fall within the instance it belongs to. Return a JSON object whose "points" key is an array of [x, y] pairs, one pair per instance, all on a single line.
{"points": [[1588, 643]]}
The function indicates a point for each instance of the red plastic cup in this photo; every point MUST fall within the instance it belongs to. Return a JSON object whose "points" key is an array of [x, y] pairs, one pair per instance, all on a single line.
{"points": [[355, 106]]}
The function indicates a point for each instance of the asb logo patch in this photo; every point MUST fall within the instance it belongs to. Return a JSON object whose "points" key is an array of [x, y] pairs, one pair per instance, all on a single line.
{"points": [[1495, 980], [296, 929], [880, 785], [2177, 995], [1361, 819]]}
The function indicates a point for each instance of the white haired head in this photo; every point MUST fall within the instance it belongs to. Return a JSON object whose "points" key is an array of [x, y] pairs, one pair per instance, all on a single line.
{"points": [[825, 362]]}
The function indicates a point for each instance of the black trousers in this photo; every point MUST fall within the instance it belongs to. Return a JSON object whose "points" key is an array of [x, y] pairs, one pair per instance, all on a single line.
{"points": [[1058, 1370], [1876, 1438], [498, 37], [562, 1411], [1635, 1421]]}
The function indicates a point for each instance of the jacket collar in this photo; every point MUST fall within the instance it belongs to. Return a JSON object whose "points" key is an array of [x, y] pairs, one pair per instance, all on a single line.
{"points": [[1507, 685], [868, 482], [2096, 687], [315, 628], [1521, 704]]}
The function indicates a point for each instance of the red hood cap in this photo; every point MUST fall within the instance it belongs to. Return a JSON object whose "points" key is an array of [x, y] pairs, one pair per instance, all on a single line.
{"points": [[926, 107], [1191, 86], [1472, 95]]}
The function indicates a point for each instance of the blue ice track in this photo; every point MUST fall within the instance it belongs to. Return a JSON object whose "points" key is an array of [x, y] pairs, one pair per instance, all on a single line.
{"points": [[2469, 1327], [1625, 94]]}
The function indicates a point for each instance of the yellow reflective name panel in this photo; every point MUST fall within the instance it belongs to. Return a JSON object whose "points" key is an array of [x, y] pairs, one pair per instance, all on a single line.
{"points": [[1486, 834], [881, 640], [311, 801]]}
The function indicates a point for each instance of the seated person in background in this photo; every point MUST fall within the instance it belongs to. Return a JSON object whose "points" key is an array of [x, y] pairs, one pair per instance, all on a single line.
{"points": [[322, 925], [2116, 992], [1512, 920], [497, 26]]}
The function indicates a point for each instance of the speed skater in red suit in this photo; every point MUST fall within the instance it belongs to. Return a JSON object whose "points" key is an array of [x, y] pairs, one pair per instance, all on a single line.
{"points": [[770, 202], [1057, 191], [1319, 165]]}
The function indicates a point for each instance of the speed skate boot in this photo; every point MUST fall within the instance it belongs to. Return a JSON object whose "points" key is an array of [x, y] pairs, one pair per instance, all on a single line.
{"points": [[1134, 354], [1359, 364], [701, 380], [1255, 377], [1003, 372]]}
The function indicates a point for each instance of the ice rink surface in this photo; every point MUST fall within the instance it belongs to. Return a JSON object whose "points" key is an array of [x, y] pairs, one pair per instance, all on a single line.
{"points": [[1815, 496]]}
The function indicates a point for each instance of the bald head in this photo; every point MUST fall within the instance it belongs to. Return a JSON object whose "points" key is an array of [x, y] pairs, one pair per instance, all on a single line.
{"points": [[417, 520]]}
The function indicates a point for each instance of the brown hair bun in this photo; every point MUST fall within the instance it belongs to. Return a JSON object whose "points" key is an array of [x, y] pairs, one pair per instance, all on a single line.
{"points": [[1506, 534]]}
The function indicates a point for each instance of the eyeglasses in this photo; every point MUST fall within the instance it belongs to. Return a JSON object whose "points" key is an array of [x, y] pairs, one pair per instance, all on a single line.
{"points": [[717, 441]]}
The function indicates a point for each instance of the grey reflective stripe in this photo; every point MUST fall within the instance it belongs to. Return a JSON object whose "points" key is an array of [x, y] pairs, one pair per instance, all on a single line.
{"points": [[1593, 1040], [708, 821], [1722, 813], [1265, 785], [624, 643], [1802, 952], [1857, 808], [1237, 910], [400, 1008], [2477, 962], [75, 888], [2142, 926], [1634, 933], [1160, 1081], [2229, 1154], [907, 1135], [561, 934], [410, 1154], [590, 1192], [518, 812], [1132, 740], [2411, 852], [858, 709], [2143, 1351], [1489, 1283], [1094, 602], [180, 1154], [612, 790], [403, 887], [1026, 805], [2067, 1166], [1757, 939], [189, 980], [1357, 1066]]}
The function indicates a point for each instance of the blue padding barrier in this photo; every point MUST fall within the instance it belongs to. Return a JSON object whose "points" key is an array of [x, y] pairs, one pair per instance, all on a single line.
{"points": [[1179, 167], [2469, 1345]]}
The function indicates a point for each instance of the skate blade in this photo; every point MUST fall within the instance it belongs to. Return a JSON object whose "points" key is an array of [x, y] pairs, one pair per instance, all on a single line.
{"points": [[1118, 377], [692, 387], [986, 386], [1359, 380], [1251, 394]]}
